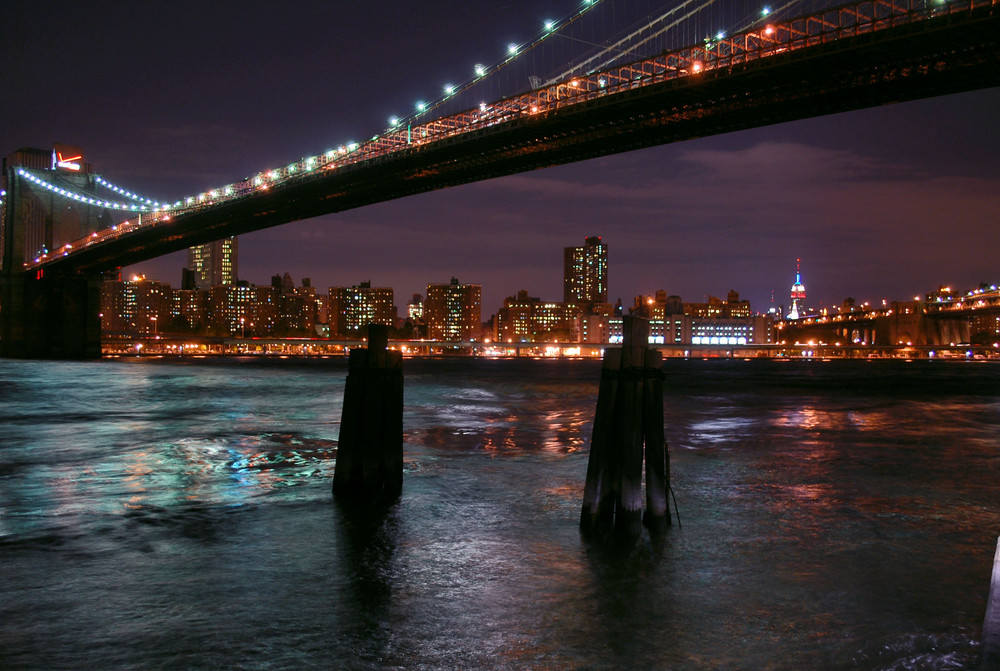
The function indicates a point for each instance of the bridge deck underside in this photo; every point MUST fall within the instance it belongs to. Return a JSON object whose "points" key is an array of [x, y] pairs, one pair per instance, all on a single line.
{"points": [[945, 55]]}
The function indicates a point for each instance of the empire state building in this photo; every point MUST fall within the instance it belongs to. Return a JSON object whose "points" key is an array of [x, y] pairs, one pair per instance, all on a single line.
{"points": [[798, 294]]}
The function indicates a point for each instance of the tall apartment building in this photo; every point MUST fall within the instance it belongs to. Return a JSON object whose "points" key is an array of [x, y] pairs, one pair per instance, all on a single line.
{"points": [[354, 308], [297, 306], [190, 309], [585, 272], [233, 309], [513, 322], [453, 311], [214, 264]]}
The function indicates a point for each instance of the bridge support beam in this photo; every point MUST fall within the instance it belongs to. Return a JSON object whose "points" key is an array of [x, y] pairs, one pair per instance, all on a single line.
{"points": [[51, 317]]}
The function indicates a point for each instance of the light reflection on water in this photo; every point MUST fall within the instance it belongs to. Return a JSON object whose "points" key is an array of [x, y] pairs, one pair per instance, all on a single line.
{"points": [[835, 517]]}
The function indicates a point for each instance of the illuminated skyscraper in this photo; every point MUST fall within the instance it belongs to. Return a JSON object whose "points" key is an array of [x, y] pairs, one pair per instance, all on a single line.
{"points": [[215, 263], [798, 294], [585, 272]]}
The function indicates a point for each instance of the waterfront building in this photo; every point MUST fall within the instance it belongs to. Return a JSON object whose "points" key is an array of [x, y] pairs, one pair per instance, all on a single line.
{"points": [[733, 331], [265, 313], [658, 306], [190, 310], [415, 309], [594, 328], [524, 318], [715, 322], [513, 320], [214, 263], [557, 322], [296, 306], [136, 306], [233, 308], [141, 306], [709, 310], [661, 306], [736, 308], [984, 328], [585, 272], [354, 308], [716, 308], [316, 304], [453, 311], [681, 329], [296, 315], [416, 327]]}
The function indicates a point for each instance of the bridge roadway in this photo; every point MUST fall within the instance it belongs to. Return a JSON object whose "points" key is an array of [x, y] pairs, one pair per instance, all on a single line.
{"points": [[748, 81]]}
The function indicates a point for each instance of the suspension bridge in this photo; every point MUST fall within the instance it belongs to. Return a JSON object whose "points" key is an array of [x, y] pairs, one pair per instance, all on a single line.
{"points": [[781, 66]]}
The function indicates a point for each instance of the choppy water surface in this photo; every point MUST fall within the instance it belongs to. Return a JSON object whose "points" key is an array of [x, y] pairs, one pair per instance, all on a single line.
{"points": [[178, 514]]}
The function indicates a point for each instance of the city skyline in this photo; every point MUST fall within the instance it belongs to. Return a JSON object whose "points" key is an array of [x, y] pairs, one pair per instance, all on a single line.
{"points": [[794, 300], [885, 203]]}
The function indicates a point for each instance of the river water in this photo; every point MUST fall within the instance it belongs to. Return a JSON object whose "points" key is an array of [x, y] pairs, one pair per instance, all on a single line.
{"points": [[178, 515]]}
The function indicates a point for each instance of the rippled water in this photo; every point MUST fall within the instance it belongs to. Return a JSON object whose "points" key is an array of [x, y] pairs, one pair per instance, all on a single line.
{"points": [[178, 514]]}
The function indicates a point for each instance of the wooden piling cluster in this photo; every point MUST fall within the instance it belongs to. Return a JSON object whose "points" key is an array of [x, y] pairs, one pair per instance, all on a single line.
{"points": [[627, 422], [369, 466]]}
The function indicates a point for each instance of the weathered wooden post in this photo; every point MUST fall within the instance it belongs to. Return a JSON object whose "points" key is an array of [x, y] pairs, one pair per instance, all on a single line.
{"points": [[628, 422], [370, 449], [657, 460]]}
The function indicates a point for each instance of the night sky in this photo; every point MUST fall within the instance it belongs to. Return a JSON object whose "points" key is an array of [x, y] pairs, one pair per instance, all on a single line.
{"points": [[169, 99]]}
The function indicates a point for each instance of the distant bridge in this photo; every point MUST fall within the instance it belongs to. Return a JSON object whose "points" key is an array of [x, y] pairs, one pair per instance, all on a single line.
{"points": [[973, 318], [849, 57]]}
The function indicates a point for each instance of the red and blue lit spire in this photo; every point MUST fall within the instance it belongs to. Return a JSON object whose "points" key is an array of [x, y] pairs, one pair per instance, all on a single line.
{"points": [[798, 293]]}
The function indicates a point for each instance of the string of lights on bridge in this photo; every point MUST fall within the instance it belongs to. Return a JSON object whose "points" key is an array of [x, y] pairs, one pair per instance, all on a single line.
{"points": [[422, 108], [127, 193], [514, 50], [79, 197]]}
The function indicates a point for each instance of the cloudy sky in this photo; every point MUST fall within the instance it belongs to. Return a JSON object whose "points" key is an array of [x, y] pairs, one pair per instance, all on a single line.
{"points": [[171, 98]]}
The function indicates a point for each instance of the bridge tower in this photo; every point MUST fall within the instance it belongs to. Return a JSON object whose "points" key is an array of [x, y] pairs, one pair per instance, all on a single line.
{"points": [[46, 315]]}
